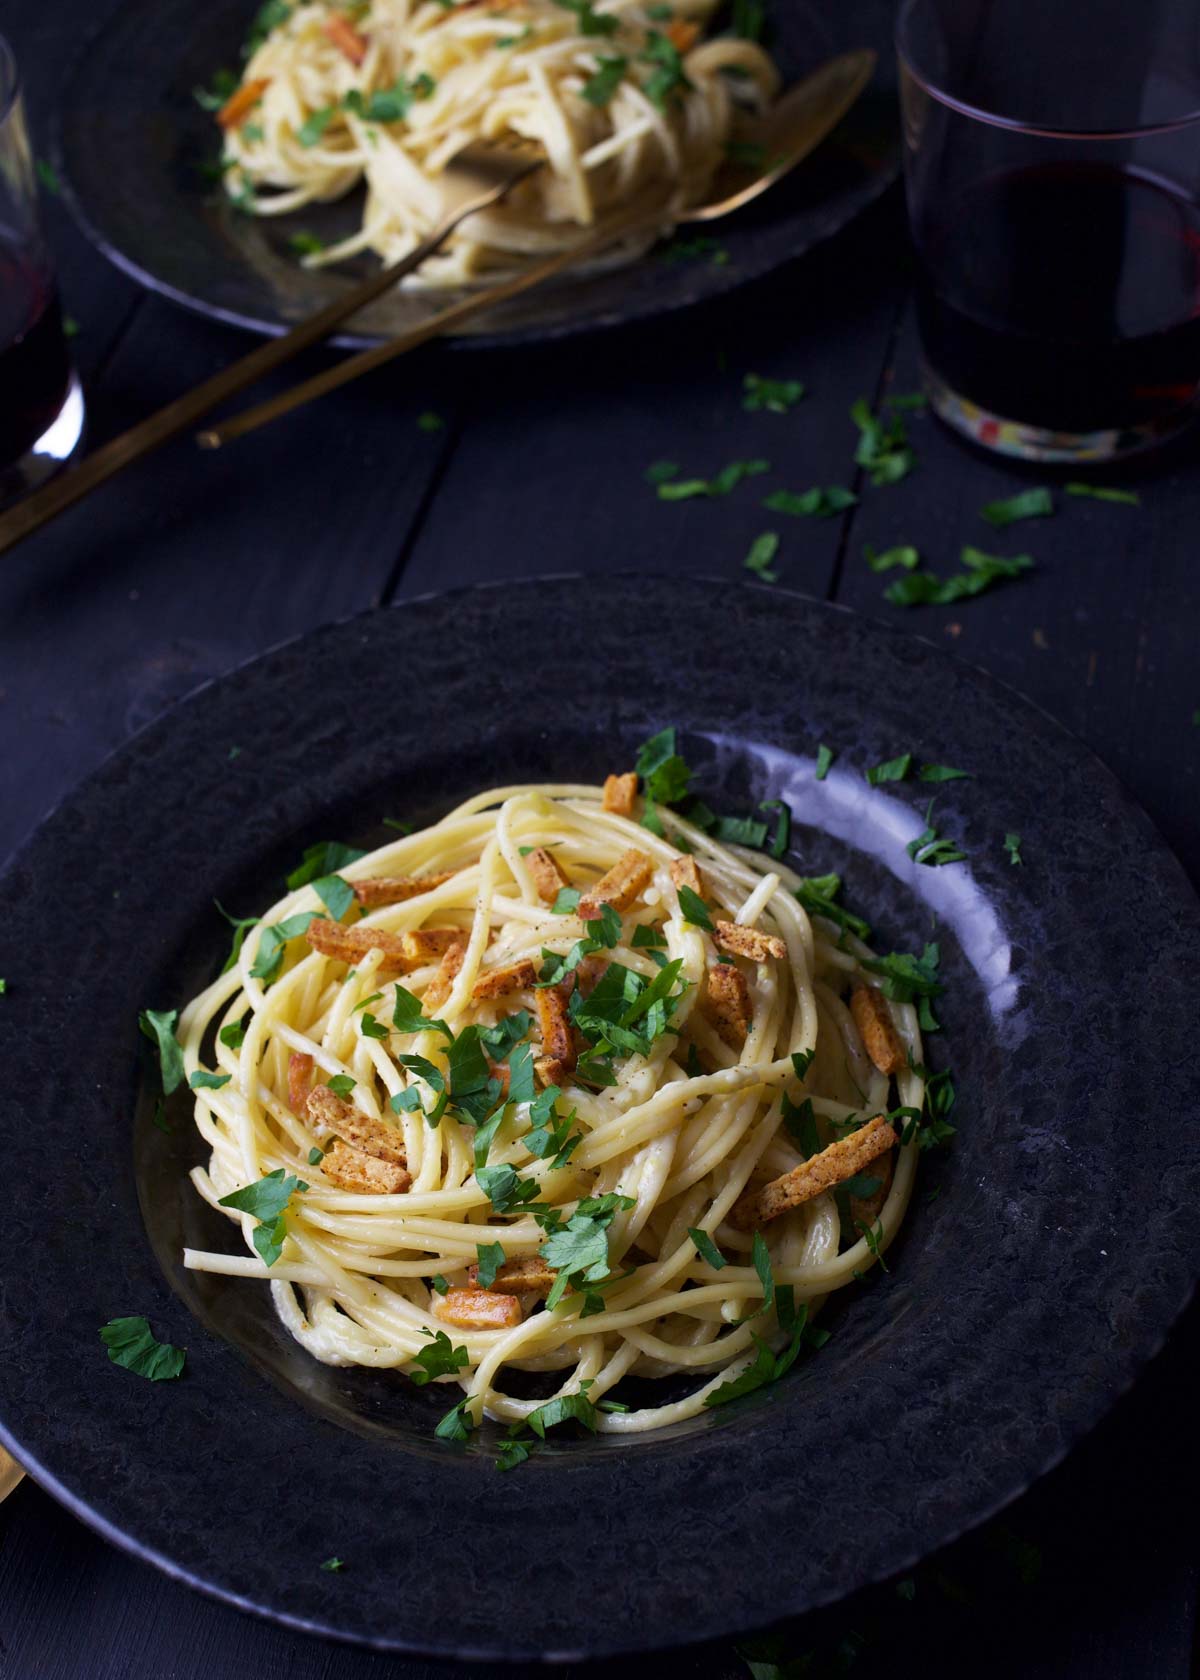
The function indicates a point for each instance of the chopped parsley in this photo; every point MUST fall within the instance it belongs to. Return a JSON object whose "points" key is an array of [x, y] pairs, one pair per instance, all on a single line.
{"points": [[1104, 493], [438, 1282], [224, 85], [566, 1408], [903, 555], [818, 895], [667, 75], [658, 472], [687, 250], [241, 926], [694, 910], [1030, 504], [439, 1359], [407, 1016], [388, 105], [942, 773], [822, 504], [325, 858], [931, 848], [762, 551], [891, 770], [306, 244], [131, 1343], [333, 1566], [268, 17], [267, 1202], [800, 1123], [272, 940], [825, 757], [371, 1028], [341, 1085], [883, 449], [315, 1156], [908, 979], [776, 396], [428, 421], [457, 1423], [48, 176], [1012, 845], [723, 484], [490, 1258], [202, 1081], [510, 1453], [749, 18], [982, 571], [505, 1189], [604, 82], [707, 1249], [335, 894], [159, 1027], [578, 1249], [781, 839], [767, 1366], [312, 129], [590, 21]]}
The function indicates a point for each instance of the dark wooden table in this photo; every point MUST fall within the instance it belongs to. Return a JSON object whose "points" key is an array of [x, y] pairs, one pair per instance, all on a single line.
{"points": [[193, 563]]}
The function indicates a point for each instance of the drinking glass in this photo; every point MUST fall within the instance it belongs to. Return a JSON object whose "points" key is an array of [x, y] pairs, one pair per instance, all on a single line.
{"points": [[1053, 168], [41, 404]]}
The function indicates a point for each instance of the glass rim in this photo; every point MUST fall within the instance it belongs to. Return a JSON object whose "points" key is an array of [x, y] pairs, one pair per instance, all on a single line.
{"points": [[1017, 125], [10, 81]]}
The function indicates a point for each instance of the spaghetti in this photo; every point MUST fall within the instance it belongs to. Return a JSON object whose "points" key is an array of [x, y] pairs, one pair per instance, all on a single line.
{"points": [[542, 1088], [624, 102]]}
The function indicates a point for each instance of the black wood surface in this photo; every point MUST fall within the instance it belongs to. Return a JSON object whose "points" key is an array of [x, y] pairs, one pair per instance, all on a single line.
{"points": [[190, 563]]}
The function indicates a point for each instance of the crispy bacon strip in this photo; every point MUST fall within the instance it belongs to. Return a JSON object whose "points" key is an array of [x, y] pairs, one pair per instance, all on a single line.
{"points": [[240, 104], [377, 890], [873, 1019], [865, 1210], [558, 1045], [346, 38], [440, 987], [725, 1004], [739, 941], [836, 1163], [331, 1116], [549, 876], [527, 1274], [353, 1169], [300, 1077], [552, 1072], [426, 944], [682, 34], [685, 872], [620, 793], [477, 1309], [622, 884], [351, 944], [512, 977]]}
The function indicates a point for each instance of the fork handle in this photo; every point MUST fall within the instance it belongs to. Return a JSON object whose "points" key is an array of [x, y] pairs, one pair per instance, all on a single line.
{"points": [[443, 321], [63, 492]]}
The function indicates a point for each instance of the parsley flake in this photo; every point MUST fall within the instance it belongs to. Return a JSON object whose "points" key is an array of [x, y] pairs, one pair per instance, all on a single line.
{"points": [[1104, 493], [603, 83], [159, 1027], [341, 1085], [335, 894], [776, 396], [1030, 504], [491, 1257], [439, 1359], [457, 1423], [325, 858], [825, 758], [267, 1202], [891, 770], [822, 504], [268, 959], [902, 555], [333, 1566], [694, 909], [511, 1453], [932, 849], [723, 484], [762, 551], [202, 1081], [1012, 845], [982, 571], [882, 447], [943, 773], [707, 1249], [132, 1343]]}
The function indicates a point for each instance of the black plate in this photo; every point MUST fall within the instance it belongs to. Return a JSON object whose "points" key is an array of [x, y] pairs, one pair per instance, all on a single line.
{"points": [[133, 145], [1019, 1304]]}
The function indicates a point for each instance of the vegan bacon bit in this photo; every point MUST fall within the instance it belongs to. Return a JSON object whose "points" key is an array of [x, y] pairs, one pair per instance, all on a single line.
{"points": [[685, 872], [874, 1021], [725, 1004], [477, 1309], [351, 944], [549, 876], [240, 104], [833, 1165], [738, 941], [345, 37], [620, 793], [527, 1274], [425, 944], [619, 887], [300, 1077], [378, 890], [682, 34], [558, 1046], [440, 987], [354, 1169], [331, 1116], [512, 977]]}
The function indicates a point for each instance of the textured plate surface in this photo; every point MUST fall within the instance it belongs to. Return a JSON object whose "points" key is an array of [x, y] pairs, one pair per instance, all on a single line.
{"points": [[134, 147], [1020, 1302]]}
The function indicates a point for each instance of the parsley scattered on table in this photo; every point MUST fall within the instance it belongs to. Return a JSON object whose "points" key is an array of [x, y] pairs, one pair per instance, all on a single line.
{"points": [[428, 421], [305, 244], [776, 396], [159, 1027], [883, 449], [689, 250], [762, 551], [724, 483], [942, 773], [1104, 493], [821, 504], [659, 471], [131, 1343], [825, 758], [48, 176], [902, 555], [457, 1423], [926, 589], [1030, 504], [1012, 842], [333, 1566]]}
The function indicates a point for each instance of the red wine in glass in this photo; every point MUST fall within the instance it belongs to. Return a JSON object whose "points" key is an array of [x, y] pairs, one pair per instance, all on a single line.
{"points": [[1066, 295], [35, 372]]}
